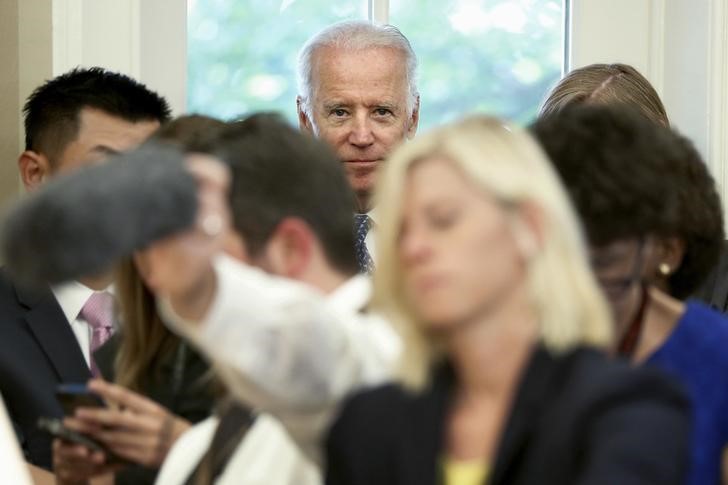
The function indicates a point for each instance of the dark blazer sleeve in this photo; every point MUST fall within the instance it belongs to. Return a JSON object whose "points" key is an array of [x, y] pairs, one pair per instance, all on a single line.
{"points": [[359, 444], [638, 433]]}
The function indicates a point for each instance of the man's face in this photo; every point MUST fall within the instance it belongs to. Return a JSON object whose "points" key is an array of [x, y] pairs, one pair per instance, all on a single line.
{"points": [[359, 106], [101, 135]]}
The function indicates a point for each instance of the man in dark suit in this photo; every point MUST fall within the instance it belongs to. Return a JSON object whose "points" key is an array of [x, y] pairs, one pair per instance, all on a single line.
{"points": [[46, 336]]}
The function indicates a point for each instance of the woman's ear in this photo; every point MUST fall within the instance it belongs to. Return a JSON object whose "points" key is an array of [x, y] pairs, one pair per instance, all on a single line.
{"points": [[667, 257], [528, 229]]}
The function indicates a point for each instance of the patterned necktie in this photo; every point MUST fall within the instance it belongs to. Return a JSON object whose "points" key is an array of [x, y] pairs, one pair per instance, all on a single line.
{"points": [[362, 223], [98, 314]]}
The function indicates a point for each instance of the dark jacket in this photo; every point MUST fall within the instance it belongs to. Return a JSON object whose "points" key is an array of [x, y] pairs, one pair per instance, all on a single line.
{"points": [[38, 351], [578, 418], [182, 386]]}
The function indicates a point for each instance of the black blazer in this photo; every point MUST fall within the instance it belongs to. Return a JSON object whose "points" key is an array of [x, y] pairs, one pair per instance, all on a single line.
{"points": [[38, 350], [576, 419]]}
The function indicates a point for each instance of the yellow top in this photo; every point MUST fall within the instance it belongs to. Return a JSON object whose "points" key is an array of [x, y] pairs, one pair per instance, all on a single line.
{"points": [[464, 472]]}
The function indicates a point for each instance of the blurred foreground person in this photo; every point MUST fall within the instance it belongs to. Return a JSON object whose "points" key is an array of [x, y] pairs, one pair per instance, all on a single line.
{"points": [[485, 275], [654, 223], [282, 312], [161, 386]]}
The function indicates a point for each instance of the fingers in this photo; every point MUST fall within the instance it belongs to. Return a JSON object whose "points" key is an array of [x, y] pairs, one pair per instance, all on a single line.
{"points": [[124, 398], [95, 420], [73, 462]]}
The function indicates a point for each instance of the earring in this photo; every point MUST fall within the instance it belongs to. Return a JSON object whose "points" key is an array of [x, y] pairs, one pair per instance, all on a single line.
{"points": [[664, 269]]}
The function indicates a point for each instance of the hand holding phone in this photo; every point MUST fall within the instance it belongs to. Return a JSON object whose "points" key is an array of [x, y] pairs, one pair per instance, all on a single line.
{"points": [[73, 396], [55, 428]]}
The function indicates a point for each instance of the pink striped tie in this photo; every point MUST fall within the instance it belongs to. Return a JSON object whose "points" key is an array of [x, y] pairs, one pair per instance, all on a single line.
{"points": [[98, 314]]}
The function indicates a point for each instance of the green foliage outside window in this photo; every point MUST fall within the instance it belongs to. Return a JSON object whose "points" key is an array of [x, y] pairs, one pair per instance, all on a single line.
{"points": [[492, 56]]}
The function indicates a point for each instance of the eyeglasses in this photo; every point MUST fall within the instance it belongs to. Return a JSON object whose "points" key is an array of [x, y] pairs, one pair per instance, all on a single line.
{"points": [[617, 288]]}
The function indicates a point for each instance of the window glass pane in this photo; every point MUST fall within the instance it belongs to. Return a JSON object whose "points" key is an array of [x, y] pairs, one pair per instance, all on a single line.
{"points": [[242, 54], [492, 56]]}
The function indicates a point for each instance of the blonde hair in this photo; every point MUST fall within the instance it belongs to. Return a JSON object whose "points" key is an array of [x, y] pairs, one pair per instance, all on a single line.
{"points": [[507, 164], [606, 84]]}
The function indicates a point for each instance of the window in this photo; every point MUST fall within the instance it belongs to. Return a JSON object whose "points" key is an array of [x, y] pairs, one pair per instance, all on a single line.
{"points": [[493, 56]]}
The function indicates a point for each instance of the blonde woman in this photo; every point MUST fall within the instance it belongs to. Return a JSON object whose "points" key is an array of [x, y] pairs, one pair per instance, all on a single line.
{"points": [[502, 380]]}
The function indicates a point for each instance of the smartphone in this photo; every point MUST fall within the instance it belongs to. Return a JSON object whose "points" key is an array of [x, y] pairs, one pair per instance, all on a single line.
{"points": [[74, 396], [55, 428]]}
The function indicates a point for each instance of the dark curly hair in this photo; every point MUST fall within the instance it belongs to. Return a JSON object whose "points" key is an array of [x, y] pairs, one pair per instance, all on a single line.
{"points": [[630, 178]]}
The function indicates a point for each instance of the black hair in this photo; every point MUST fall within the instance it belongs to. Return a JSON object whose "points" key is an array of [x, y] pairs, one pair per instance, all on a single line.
{"points": [[630, 178], [52, 110], [279, 172]]}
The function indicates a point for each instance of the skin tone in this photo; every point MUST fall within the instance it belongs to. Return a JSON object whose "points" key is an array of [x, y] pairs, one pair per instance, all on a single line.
{"points": [[99, 135], [293, 250], [488, 324], [619, 268], [131, 426], [359, 106]]}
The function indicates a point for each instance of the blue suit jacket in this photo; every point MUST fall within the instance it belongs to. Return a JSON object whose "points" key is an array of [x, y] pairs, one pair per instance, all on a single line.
{"points": [[38, 350]]}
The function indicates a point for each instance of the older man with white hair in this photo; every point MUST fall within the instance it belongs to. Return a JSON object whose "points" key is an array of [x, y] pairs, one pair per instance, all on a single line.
{"points": [[357, 85]]}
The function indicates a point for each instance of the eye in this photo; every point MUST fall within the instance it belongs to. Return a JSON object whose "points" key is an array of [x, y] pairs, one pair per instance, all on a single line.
{"points": [[339, 112], [382, 111], [443, 219]]}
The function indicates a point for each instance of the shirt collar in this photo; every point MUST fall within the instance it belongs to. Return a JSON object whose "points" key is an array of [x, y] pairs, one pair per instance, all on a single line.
{"points": [[71, 296], [352, 295], [373, 216]]}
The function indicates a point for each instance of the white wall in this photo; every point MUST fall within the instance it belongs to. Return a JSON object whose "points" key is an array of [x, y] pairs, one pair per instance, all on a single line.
{"points": [[144, 39], [681, 47]]}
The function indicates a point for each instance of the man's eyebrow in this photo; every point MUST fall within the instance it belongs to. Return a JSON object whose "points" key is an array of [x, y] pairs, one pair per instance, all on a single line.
{"points": [[329, 105]]}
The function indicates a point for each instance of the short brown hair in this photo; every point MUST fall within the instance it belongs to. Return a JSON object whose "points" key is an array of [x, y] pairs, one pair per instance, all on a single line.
{"points": [[606, 84]]}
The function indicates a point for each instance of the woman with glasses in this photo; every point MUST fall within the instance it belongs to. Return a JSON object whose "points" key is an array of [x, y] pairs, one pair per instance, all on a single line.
{"points": [[483, 273], [654, 222]]}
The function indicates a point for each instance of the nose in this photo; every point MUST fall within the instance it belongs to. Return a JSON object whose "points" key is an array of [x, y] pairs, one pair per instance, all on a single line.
{"points": [[361, 134], [414, 247]]}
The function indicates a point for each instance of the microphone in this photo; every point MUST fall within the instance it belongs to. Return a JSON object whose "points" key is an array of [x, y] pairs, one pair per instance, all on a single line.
{"points": [[80, 224]]}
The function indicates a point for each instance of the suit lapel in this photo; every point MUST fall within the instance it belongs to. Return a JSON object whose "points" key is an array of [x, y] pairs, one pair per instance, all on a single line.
{"points": [[54, 335], [531, 396]]}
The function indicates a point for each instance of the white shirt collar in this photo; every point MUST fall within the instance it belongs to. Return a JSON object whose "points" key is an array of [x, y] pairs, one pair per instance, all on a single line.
{"points": [[373, 216], [71, 296], [352, 295]]}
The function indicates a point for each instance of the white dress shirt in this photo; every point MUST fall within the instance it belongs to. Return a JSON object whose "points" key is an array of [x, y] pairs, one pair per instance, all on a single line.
{"points": [[72, 296], [265, 456], [286, 348], [369, 240]]}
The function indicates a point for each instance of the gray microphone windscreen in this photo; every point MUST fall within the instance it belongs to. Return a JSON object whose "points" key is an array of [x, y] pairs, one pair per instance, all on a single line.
{"points": [[80, 224]]}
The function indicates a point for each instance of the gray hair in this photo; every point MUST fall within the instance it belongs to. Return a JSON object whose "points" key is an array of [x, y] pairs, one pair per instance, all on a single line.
{"points": [[355, 35]]}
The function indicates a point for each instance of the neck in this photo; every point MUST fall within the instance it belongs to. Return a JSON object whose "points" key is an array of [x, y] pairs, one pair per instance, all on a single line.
{"points": [[98, 282], [363, 202], [661, 316], [325, 278], [489, 352]]}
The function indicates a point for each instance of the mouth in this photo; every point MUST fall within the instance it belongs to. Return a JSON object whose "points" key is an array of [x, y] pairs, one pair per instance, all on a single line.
{"points": [[428, 283], [362, 162]]}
